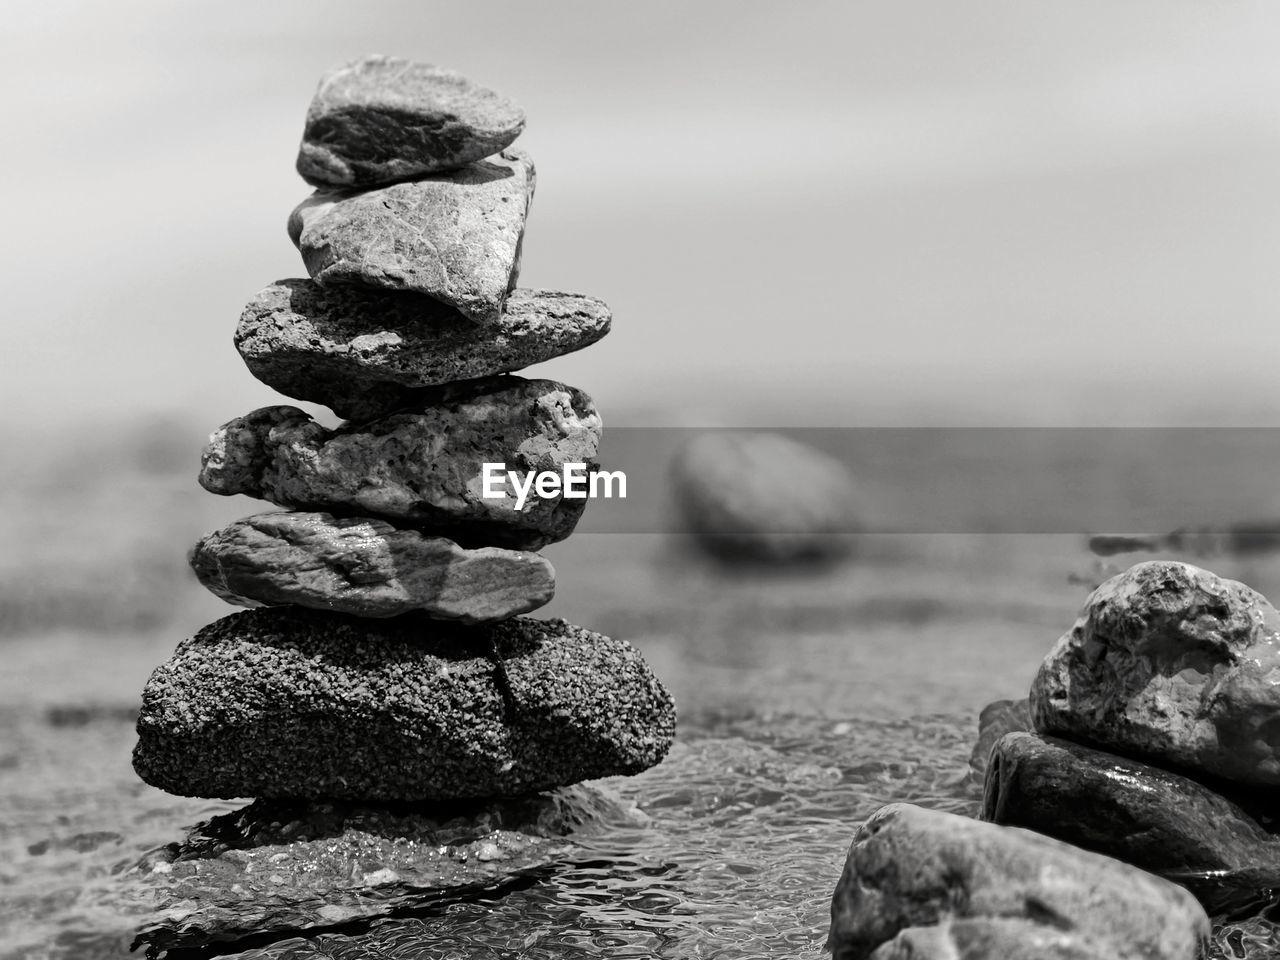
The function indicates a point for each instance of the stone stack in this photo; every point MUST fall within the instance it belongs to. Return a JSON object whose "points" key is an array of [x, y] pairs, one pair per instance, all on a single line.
{"points": [[1156, 734], [386, 659]]}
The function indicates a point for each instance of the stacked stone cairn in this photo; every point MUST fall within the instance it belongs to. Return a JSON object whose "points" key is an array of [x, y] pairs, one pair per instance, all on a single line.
{"points": [[1152, 734], [385, 659]]}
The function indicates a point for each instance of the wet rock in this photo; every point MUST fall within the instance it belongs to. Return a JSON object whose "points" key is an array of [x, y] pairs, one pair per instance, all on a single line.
{"points": [[990, 939], [296, 703], [1170, 663], [452, 236], [764, 497], [364, 353], [912, 867], [278, 866], [1248, 938], [995, 720], [1157, 820], [367, 568], [422, 467], [381, 119]]}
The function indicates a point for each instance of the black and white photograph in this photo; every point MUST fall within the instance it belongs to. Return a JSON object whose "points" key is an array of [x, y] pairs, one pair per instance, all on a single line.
{"points": [[707, 480]]}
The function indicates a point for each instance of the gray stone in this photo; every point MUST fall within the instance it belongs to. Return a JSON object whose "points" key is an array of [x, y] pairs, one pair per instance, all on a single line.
{"points": [[991, 939], [276, 866], [365, 353], [764, 497], [293, 703], [422, 467], [367, 568], [1172, 664], [1157, 820], [995, 720], [912, 867], [381, 119], [452, 236]]}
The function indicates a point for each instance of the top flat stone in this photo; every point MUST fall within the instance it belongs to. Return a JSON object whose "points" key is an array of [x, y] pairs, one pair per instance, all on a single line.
{"points": [[452, 236], [380, 119]]}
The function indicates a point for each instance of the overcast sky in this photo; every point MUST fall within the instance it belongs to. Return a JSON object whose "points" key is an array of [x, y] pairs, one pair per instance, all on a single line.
{"points": [[821, 212]]}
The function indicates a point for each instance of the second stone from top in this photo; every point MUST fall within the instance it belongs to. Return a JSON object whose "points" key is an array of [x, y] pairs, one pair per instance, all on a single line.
{"points": [[453, 236]]}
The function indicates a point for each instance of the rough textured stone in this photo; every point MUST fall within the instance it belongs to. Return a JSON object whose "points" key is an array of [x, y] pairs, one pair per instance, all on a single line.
{"points": [[1170, 663], [1157, 820], [381, 119], [990, 939], [763, 497], [277, 866], [295, 703], [422, 467], [453, 236], [912, 867], [367, 568], [364, 353]]}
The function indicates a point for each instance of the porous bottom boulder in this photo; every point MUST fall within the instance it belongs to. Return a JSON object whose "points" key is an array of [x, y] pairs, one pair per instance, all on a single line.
{"points": [[295, 703]]}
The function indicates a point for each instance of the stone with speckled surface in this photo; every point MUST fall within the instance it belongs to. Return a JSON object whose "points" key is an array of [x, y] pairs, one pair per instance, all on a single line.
{"points": [[421, 467], [454, 236], [365, 353], [367, 568], [297, 703], [1170, 663], [380, 119]]}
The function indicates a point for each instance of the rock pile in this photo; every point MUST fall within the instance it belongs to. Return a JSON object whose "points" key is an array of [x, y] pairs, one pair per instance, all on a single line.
{"points": [[386, 662], [1157, 734]]}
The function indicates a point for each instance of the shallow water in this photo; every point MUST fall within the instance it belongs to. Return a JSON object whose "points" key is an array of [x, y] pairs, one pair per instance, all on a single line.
{"points": [[747, 825], [806, 703]]}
